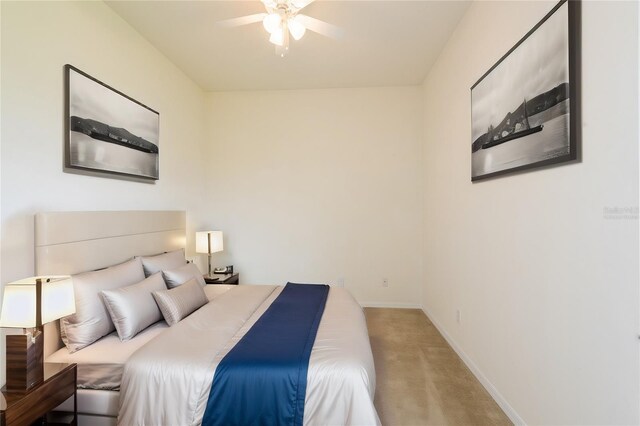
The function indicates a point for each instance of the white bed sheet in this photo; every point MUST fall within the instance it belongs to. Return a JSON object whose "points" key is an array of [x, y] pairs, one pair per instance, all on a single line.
{"points": [[168, 380], [100, 365]]}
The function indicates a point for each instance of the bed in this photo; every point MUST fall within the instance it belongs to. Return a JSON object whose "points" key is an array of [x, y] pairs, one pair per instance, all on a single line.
{"points": [[163, 375]]}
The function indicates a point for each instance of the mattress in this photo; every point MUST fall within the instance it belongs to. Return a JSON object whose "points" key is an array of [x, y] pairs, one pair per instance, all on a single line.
{"points": [[100, 365]]}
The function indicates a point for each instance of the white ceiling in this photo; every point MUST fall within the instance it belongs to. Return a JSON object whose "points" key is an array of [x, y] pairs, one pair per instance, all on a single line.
{"points": [[384, 43]]}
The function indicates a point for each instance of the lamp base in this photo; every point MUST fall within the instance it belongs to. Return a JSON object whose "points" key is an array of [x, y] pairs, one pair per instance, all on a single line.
{"points": [[25, 357]]}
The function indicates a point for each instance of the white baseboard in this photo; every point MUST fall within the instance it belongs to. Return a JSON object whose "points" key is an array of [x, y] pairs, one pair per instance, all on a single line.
{"points": [[493, 391], [390, 305]]}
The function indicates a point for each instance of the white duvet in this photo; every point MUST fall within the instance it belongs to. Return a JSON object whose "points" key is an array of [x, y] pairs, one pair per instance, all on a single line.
{"points": [[167, 381]]}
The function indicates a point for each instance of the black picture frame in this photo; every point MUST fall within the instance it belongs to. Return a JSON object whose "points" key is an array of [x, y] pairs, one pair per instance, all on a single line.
{"points": [[108, 133], [517, 149]]}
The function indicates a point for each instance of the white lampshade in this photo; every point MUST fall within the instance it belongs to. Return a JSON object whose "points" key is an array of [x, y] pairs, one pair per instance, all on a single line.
{"points": [[296, 28], [271, 22], [209, 242], [277, 37], [19, 301]]}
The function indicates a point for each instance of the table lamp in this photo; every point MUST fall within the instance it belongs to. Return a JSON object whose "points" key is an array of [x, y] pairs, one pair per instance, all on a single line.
{"points": [[28, 304], [209, 242]]}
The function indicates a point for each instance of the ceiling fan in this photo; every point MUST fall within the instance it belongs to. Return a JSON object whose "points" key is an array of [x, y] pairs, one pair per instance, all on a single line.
{"points": [[282, 19]]}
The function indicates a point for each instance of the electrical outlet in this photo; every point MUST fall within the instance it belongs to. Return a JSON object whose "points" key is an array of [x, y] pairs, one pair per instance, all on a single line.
{"points": [[385, 282], [458, 316]]}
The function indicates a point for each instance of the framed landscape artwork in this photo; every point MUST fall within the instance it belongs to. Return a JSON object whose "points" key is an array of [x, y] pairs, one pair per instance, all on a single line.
{"points": [[524, 110], [107, 131]]}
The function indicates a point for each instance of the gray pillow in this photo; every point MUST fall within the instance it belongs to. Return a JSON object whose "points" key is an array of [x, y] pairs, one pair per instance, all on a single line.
{"points": [[163, 262], [181, 301], [91, 320], [181, 275], [132, 308]]}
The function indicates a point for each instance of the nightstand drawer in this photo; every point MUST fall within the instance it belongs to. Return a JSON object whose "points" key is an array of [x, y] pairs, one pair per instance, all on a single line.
{"points": [[44, 398]]}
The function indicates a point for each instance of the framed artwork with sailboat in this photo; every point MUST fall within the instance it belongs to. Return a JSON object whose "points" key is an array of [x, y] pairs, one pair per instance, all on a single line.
{"points": [[107, 132], [525, 109]]}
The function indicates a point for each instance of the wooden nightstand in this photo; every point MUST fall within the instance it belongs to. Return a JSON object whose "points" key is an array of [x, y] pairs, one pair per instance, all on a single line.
{"points": [[222, 279], [24, 408]]}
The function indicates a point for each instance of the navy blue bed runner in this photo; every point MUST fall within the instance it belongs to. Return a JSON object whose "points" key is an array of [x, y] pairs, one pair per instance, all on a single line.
{"points": [[263, 379]]}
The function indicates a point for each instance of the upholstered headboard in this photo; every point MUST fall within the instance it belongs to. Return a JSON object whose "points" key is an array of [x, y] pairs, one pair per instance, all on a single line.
{"points": [[71, 242]]}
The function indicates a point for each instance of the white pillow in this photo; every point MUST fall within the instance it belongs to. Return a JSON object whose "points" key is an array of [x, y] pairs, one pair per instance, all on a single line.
{"points": [[181, 275], [91, 320], [133, 308], [179, 302], [163, 262]]}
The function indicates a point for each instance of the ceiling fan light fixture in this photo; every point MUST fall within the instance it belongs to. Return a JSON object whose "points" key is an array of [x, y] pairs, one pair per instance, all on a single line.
{"points": [[296, 28], [277, 37], [272, 22], [283, 22]]}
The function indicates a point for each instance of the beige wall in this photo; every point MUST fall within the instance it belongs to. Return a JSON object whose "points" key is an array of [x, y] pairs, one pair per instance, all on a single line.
{"points": [[547, 286], [366, 184], [37, 40], [319, 185]]}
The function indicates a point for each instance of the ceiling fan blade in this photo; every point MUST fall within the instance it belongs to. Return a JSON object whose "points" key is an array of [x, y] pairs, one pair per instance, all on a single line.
{"points": [[270, 4], [320, 27], [243, 20], [301, 4]]}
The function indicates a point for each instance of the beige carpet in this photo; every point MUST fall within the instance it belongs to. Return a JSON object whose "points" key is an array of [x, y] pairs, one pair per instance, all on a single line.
{"points": [[420, 379]]}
